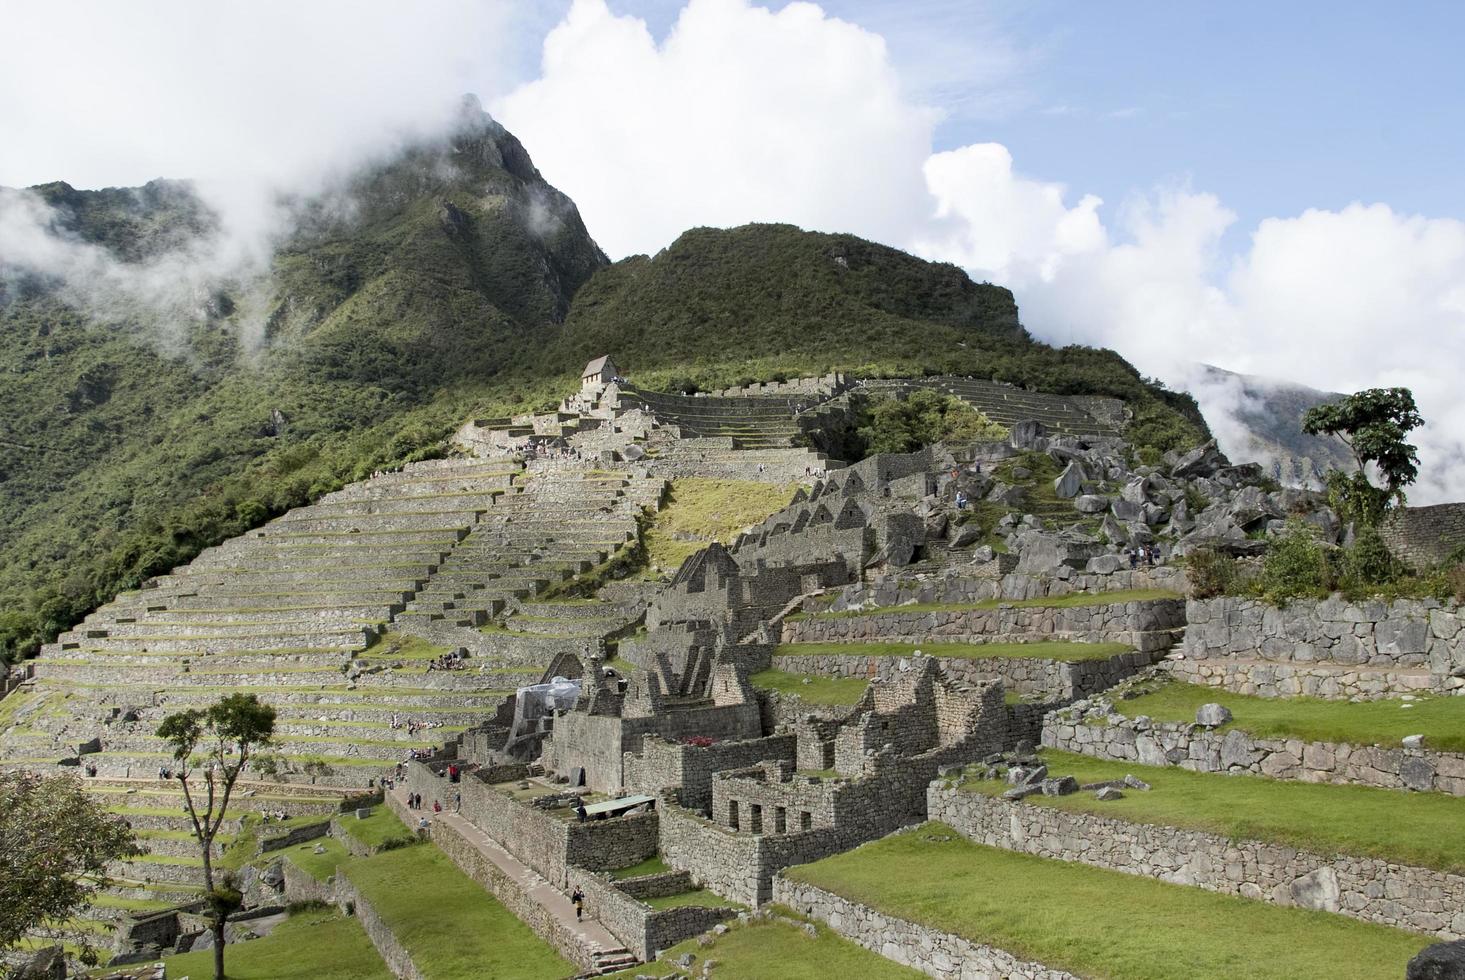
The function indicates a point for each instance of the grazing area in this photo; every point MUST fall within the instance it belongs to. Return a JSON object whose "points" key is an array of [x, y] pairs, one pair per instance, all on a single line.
{"points": [[313, 944], [775, 947], [1407, 828], [451, 927], [1441, 720], [1101, 923], [812, 688], [1041, 650]]}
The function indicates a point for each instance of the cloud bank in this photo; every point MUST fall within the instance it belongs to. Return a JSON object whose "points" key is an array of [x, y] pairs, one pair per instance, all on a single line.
{"points": [[741, 114]]}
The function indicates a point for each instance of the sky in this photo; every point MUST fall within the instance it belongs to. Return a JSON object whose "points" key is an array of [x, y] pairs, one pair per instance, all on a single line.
{"points": [[1272, 188]]}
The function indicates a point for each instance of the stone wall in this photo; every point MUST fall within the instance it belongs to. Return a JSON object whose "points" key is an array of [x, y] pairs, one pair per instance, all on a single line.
{"points": [[1328, 648], [1100, 733], [1144, 625], [1425, 536], [933, 952], [620, 907], [688, 769], [962, 586], [398, 961], [1057, 680], [1417, 899]]}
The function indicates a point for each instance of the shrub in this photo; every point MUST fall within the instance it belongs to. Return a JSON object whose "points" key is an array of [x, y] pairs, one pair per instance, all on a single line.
{"points": [[1211, 573], [1296, 565]]}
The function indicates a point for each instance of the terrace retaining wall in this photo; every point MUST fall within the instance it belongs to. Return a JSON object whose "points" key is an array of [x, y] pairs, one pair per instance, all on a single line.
{"points": [[933, 952], [1417, 899], [1106, 735]]}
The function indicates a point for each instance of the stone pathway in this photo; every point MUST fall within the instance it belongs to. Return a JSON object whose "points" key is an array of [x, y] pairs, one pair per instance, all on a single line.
{"points": [[590, 932]]}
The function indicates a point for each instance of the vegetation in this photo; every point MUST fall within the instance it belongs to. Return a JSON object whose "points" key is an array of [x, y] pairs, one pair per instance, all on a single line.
{"points": [[227, 733], [699, 511], [764, 948], [1046, 650], [653, 865], [813, 688], [1048, 602], [450, 926], [381, 831], [1386, 722], [58, 841], [903, 425], [1375, 424], [1405, 828], [319, 866], [1129, 926], [698, 897], [310, 945]]}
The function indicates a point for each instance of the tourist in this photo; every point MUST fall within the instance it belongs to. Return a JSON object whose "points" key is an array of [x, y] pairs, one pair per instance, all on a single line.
{"points": [[960, 500], [580, 812], [1133, 559], [578, 897], [437, 806], [423, 825], [458, 802]]}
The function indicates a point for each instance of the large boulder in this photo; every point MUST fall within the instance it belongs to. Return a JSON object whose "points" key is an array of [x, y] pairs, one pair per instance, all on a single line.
{"points": [[1442, 961], [1212, 715], [1090, 503], [1070, 482], [1027, 434], [1201, 461]]}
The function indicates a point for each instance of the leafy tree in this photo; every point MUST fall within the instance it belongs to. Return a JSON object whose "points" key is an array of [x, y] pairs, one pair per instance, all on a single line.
{"points": [[58, 843], [218, 740], [904, 425], [1375, 425]]}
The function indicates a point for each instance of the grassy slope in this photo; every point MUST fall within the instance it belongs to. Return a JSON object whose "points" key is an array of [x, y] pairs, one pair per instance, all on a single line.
{"points": [[1419, 829], [453, 929], [709, 510], [313, 945], [1059, 602], [817, 690], [1047, 650], [1101, 923], [382, 827], [762, 950], [1440, 720]]}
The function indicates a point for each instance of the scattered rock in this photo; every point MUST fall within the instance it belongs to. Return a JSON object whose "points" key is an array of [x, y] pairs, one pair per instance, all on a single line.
{"points": [[1089, 503], [1134, 782], [1062, 786], [1070, 481], [1442, 961], [1108, 793], [1413, 741], [1212, 715]]}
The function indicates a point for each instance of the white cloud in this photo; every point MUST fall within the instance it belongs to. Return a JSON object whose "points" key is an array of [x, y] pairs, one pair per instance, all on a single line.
{"points": [[740, 114]]}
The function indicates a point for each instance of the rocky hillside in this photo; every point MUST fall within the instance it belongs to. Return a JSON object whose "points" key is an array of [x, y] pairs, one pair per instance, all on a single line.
{"points": [[143, 424], [1269, 414]]}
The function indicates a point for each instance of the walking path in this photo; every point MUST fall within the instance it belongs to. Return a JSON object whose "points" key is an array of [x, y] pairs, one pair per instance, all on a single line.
{"points": [[589, 932]]}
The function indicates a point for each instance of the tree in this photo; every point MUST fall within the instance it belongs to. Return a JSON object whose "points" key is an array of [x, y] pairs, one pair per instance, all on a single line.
{"points": [[1374, 424], [218, 739], [58, 842]]}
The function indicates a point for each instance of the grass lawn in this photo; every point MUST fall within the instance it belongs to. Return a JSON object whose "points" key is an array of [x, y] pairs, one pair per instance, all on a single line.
{"points": [[653, 865], [453, 929], [318, 866], [699, 897], [1051, 650], [1440, 720], [709, 510], [1051, 602], [402, 646], [1099, 923], [379, 828], [764, 950], [818, 690], [318, 945], [1420, 829]]}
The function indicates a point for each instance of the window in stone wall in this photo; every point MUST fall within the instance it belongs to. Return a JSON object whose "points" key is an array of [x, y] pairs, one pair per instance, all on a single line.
{"points": [[806, 820], [755, 818], [732, 814], [780, 819]]}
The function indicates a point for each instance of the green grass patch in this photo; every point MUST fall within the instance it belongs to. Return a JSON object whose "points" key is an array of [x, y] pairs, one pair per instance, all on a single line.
{"points": [[1421, 829], [402, 646], [653, 865], [451, 927], [966, 651], [812, 687], [1100, 923], [698, 897], [764, 949], [306, 946], [1440, 720], [708, 510], [1049, 602], [378, 830], [318, 866]]}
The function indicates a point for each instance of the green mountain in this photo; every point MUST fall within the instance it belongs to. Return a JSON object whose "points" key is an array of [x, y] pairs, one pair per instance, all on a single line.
{"points": [[446, 281]]}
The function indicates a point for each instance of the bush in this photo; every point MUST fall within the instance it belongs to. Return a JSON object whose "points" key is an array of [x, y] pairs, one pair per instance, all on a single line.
{"points": [[1211, 573], [1369, 560], [1297, 565]]}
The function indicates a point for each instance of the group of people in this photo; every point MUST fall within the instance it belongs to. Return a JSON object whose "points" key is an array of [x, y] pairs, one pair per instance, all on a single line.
{"points": [[414, 802], [1143, 555], [452, 660], [414, 726]]}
